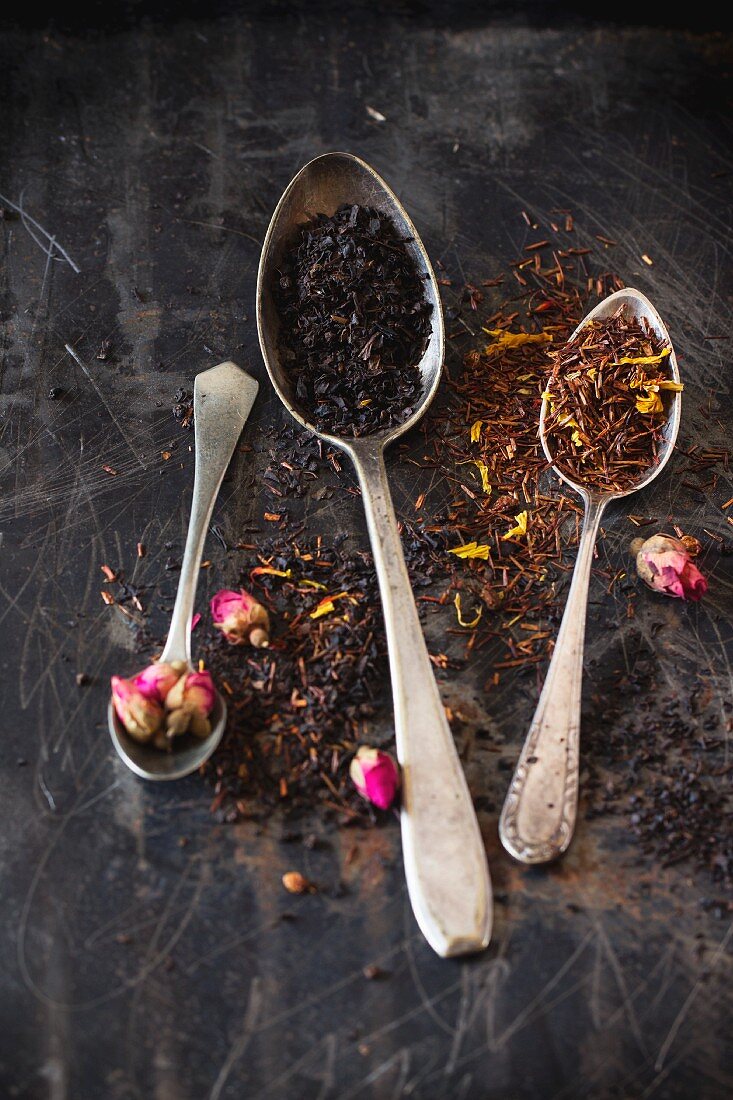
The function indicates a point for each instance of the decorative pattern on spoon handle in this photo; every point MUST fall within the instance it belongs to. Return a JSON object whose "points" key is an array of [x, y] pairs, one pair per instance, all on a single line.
{"points": [[538, 818]]}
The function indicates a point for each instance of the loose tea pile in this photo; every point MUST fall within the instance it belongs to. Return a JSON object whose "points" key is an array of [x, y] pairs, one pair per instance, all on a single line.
{"points": [[298, 709], [606, 412], [355, 322], [662, 768]]}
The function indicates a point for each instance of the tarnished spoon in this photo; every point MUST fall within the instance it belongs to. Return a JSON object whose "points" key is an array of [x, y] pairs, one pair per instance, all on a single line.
{"points": [[445, 862], [222, 400], [538, 817]]}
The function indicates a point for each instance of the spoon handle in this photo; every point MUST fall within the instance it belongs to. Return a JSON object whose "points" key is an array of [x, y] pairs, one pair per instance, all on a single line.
{"points": [[222, 399], [445, 862], [538, 818]]}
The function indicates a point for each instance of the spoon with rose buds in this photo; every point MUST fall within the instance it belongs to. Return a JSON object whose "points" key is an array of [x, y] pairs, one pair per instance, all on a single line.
{"points": [[538, 818], [170, 705], [445, 860]]}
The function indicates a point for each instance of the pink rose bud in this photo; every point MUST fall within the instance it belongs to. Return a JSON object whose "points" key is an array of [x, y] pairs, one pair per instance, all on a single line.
{"points": [[375, 776], [157, 679], [240, 618], [141, 716], [188, 705], [664, 564]]}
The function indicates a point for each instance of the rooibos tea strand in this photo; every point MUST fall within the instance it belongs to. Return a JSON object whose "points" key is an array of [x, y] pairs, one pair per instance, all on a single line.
{"points": [[355, 322]]}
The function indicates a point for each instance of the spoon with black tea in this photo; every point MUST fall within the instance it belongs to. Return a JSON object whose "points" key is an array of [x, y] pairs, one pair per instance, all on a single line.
{"points": [[445, 861], [222, 400], [538, 818]]}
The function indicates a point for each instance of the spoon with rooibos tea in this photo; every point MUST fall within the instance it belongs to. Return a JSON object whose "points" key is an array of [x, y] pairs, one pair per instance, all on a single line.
{"points": [[351, 331], [608, 425]]}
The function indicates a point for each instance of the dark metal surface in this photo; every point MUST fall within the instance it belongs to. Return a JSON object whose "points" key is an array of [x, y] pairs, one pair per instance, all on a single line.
{"points": [[143, 952]]}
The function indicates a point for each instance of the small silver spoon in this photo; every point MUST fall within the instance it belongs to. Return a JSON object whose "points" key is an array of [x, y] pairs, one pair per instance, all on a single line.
{"points": [[445, 861], [538, 818], [222, 400]]}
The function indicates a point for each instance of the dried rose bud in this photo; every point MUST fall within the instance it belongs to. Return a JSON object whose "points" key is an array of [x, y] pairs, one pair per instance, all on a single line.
{"points": [[189, 703], [157, 679], [141, 716], [663, 563], [240, 618], [375, 776]]}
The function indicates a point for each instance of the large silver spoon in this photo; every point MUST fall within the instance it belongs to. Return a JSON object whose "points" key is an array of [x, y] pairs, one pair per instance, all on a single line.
{"points": [[445, 862], [538, 818], [222, 399]]}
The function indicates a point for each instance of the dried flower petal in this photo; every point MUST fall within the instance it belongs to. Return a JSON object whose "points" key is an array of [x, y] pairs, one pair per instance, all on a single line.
{"points": [[668, 384], [520, 528], [259, 569], [375, 776], [664, 564], [157, 679], [506, 339], [459, 614], [189, 704], [326, 606], [142, 717], [240, 618], [642, 360], [483, 469], [471, 550], [650, 405]]}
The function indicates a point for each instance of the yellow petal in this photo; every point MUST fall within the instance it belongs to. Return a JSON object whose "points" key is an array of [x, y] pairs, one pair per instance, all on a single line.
{"points": [[669, 384], [483, 469], [461, 620], [576, 439], [521, 526], [650, 404], [471, 550], [259, 569], [327, 605], [323, 608], [642, 360], [506, 339], [476, 431]]}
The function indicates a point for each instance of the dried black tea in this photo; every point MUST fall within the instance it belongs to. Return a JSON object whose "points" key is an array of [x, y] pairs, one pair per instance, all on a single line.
{"points": [[355, 322]]}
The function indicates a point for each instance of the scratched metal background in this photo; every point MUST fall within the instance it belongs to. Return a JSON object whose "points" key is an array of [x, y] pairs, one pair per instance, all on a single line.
{"points": [[135, 965]]}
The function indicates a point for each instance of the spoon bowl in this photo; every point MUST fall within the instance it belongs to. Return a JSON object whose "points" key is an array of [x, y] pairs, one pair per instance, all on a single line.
{"points": [[445, 861], [322, 186], [188, 753], [638, 306], [538, 817]]}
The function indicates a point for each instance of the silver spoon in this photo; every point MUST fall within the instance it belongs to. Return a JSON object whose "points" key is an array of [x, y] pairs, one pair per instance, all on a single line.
{"points": [[538, 818], [222, 400], [445, 862]]}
